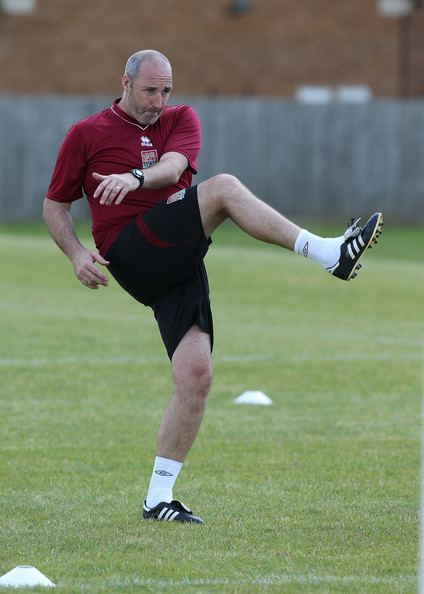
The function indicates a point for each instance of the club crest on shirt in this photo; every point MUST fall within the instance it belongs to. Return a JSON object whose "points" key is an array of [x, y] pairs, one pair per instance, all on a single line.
{"points": [[145, 141], [175, 197], [148, 158]]}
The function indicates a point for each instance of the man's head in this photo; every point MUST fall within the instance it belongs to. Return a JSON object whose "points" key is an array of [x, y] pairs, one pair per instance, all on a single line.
{"points": [[147, 84]]}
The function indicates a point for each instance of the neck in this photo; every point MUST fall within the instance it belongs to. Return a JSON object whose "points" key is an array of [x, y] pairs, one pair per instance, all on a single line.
{"points": [[127, 112], [123, 104]]}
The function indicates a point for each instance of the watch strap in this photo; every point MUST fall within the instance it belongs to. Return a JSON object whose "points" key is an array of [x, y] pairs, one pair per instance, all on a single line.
{"points": [[138, 174]]}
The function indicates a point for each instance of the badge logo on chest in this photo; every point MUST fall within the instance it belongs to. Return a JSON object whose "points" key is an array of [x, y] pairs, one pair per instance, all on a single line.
{"points": [[145, 141], [148, 158]]}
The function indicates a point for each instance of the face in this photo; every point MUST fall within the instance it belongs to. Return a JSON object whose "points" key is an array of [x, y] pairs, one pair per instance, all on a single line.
{"points": [[145, 96]]}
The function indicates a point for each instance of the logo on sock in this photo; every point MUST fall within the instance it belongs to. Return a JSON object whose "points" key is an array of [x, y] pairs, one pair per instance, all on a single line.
{"points": [[163, 473], [305, 249]]}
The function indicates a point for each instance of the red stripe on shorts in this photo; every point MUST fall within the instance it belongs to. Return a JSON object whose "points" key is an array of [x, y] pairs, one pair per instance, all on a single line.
{"points": [[150, 236]]}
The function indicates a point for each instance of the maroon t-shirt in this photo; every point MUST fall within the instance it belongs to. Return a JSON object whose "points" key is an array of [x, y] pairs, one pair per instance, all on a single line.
{"points": [[111, 141]]}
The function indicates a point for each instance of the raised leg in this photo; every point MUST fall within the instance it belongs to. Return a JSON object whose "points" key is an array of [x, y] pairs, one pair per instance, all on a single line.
{"points": [[224, 196]]}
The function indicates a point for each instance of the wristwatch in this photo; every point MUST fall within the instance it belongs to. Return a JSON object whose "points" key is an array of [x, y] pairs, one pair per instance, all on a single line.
{"points": [[138, 174]]}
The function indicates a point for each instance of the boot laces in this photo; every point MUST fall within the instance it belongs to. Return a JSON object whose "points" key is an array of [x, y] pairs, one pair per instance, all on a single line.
{"points": [[354, 229]]}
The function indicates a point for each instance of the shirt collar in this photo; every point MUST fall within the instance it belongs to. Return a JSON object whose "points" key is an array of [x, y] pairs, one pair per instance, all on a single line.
{"points": [[123, 114]]}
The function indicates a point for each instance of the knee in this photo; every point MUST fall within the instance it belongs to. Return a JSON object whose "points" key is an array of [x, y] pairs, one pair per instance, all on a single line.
{"points": [[216, 196], [194, 381], [202, 380], [226, 184], [199, 379]]}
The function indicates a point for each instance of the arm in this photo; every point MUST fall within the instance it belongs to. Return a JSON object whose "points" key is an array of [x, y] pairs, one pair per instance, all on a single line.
{"points": [[58, 219], [113, 188]]}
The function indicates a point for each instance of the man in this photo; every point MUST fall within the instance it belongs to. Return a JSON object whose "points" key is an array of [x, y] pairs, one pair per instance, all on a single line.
{"points": [[135, 162]]}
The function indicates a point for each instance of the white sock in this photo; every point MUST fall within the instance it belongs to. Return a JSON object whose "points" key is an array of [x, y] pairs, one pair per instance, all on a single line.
{"points": [[324, 250], [164, 475]]}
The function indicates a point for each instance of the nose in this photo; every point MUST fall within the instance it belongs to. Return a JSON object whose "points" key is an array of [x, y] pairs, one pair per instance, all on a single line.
{"points": [[157, 100]]}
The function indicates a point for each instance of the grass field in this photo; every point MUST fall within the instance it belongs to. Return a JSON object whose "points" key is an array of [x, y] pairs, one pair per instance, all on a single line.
{"points": [[318, 493]]}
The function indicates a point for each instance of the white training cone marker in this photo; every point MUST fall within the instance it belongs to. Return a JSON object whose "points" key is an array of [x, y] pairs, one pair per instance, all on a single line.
{"points": [[253, 397], [25, 575]]}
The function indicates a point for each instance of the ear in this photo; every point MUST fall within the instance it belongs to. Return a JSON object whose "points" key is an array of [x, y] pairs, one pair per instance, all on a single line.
{"points": [[126, 82]]}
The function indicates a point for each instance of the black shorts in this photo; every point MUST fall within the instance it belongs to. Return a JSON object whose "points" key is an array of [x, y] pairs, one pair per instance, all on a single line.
{"points": [[158, 259]]}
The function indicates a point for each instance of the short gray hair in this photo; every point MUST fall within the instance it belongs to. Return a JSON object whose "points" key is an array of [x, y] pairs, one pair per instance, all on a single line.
{"points": [[135, 61]]}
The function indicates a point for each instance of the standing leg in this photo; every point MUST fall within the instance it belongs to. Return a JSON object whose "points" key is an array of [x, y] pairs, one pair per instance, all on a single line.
{"points": [[192, 374]]}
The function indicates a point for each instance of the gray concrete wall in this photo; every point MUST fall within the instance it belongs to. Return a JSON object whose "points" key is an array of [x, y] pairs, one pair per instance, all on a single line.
{"points": [[324, 161]]}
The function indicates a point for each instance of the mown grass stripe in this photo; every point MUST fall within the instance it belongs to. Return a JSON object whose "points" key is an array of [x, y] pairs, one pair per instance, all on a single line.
{"points": [[64, 361], [273, 580]]}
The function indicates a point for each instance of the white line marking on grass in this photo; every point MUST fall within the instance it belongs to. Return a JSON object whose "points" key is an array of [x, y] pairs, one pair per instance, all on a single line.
{"points": [[272, 580], [64, 314], [318, 358], [64, 361], [241, 358]]}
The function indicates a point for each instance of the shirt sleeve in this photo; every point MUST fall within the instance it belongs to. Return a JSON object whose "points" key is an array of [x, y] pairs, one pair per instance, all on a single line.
{"points": [[186, 137], [69, 171]]}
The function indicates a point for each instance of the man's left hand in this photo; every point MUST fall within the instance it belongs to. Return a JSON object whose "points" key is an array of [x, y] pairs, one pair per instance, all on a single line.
{"points": [[113, 188]]}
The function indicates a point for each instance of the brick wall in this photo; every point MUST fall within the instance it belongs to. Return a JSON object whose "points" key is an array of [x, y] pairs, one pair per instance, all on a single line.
{"points": [[80, 46]]}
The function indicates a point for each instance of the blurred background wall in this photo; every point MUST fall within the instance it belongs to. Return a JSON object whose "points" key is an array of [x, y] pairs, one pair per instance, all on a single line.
{"points": [[316, 104]]}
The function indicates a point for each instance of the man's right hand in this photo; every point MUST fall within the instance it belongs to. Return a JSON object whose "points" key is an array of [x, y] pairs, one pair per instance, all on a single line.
{"points": [[85, 270]]}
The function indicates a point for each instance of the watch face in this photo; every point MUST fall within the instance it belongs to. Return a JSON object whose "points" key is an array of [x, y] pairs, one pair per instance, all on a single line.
{"points": [[138, 172]]}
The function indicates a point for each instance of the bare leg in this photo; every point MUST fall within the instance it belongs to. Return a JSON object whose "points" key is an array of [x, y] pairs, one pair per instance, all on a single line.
{"points": [[224, 196], [192, 373]]}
